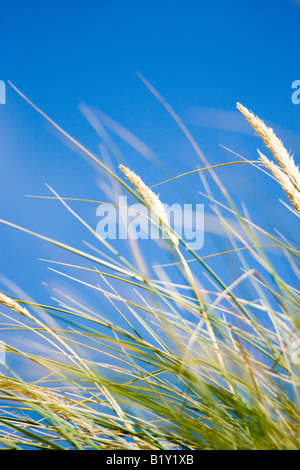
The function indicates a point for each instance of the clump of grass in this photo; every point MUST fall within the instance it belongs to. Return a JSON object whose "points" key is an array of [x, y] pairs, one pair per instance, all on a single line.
{"points": [[191, 364], [44, 399]]}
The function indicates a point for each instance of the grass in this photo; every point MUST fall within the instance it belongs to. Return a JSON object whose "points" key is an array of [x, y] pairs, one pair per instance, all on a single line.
{"points": [[191, 363]]}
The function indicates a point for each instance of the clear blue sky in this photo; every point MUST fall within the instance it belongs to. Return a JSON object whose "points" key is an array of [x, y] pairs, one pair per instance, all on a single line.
{"points": [[203, 56]]}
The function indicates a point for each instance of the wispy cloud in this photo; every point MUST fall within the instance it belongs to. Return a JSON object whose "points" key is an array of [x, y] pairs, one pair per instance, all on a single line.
{"points": [[216, 118], [295, 2], [228, 120]]}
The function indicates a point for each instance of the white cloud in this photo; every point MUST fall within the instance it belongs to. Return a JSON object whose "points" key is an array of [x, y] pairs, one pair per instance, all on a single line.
{"points": [[218, 119]]}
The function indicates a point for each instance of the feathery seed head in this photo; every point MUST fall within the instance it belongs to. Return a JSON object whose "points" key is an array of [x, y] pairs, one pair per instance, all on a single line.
{"points": [[152, 200], [287, 174], [8, 302], [285, 182], [274, 144]]}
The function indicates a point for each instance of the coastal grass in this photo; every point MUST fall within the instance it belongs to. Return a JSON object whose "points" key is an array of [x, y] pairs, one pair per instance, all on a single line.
{"points": [[187, 366]]}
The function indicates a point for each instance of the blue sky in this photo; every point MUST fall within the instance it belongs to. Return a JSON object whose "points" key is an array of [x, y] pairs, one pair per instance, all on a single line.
{"points": [[203, 57]]}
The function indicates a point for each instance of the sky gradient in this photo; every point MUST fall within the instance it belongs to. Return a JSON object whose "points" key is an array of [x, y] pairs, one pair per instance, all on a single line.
{"points": [[202, 56]]}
